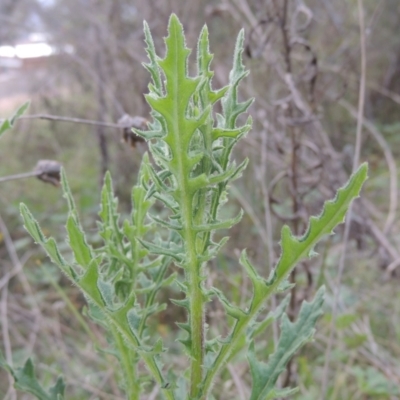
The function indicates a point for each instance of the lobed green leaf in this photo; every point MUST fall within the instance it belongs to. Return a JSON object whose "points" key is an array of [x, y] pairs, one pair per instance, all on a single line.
{"points": [[293, 251], [296, 249], [293, 336], [26, 381]]}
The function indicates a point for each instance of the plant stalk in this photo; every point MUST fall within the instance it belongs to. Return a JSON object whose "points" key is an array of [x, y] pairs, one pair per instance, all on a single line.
{"points": [[128, 366], [196, 306]]}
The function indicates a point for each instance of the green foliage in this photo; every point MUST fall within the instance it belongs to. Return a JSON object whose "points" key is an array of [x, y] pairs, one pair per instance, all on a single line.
{"points": [[25, 380], [190, 178], [111, 277], [9, 123], [293, 336], [373, 383]]}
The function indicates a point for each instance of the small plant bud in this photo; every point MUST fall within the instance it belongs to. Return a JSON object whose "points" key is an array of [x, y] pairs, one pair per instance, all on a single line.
{"points": [[48, 171], [127, 123]]}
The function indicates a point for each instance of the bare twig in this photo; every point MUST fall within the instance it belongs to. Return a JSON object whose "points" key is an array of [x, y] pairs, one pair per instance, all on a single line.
{"points": [[125, 123], [24, 281], [387, 152], [356, 161], [19, 176], [251, 213], [261, 175], [240, 386], [46, 170], [354, 77], [71, 119], [16, 270]]}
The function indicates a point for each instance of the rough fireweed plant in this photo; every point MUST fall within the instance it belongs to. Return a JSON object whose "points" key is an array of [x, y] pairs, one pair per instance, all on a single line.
{"points": [[190, 178]]}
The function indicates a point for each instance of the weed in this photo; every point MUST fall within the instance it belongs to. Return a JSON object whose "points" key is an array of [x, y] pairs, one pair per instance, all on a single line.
{"points": [[190, 176]]}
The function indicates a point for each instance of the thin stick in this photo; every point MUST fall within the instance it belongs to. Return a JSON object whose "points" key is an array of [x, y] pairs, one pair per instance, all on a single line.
{"points": [[268, 218], [12, 252], [20, 176], [70, 119], [240, 386], [4, 307], [390, 160], [356, 161]]}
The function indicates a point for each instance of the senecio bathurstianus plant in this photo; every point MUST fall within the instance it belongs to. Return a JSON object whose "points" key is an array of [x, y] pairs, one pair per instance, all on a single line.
{"points": [[191, 145]]}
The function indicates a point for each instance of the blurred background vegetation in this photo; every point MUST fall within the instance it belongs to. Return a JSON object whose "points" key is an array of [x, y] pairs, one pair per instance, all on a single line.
{"points": [[305, 59]]}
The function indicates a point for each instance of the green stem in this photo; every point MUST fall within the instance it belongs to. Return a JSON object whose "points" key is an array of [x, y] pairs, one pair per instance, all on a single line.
{"points": [[237, 334], [71, 307], [152, 295], [240, 326], [130, 340], [147, 358], [128, 365], [192, 268], [132, 385], [192, 264], [197, 333]]}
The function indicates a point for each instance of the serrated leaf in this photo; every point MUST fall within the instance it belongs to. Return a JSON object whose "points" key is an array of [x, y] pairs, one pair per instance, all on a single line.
{"points": [[184, 326], [183, 136], [259, 327], [166, 224], [155, 249], [219, 224], [152, 67], [77, 240], [296, 249], [134, 321], [181, 303], [26, 381], [211, 252], [293, 336], [67, 193], [260, 285], [49, 245], [107, 292], [231, 309], [108, 207], [293, 251], [88, 282], [231, 107], [31, 224]]}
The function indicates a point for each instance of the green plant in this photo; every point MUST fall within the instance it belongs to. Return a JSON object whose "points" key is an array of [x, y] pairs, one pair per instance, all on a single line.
{"points": [[190, 178], [8, 123]]}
